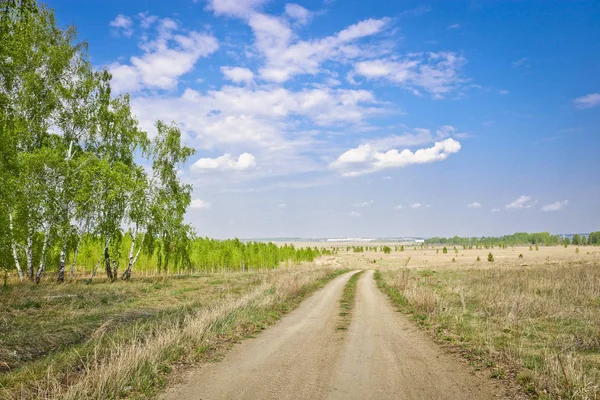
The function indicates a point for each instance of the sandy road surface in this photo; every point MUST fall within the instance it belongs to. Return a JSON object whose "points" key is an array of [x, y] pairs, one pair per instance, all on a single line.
{"points": [[381, 356]]}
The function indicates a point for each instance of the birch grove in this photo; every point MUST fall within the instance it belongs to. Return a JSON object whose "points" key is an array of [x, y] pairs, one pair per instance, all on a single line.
{"points": [[74, 162]]}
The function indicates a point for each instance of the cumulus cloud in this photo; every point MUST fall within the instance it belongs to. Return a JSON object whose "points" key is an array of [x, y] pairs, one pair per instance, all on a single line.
{"points": [[284, 56], [556, 206], [416, 137], [474, 205], [237, 74], [521, 203], [495, 210], [503, 91], [225, 163], [166, 58], [436, 73], [234, 8], [414, 206], [364, 204], [398, 207], [365, 159], [354, 214], [122, 24], [199, 204], [147, 20], [587, 101], [298, 13]]}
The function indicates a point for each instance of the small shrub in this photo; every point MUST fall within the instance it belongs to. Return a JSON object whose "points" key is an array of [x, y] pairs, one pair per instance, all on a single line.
{"points": [[577, 250], [387, 249], [445, 250], [478, 258], [453, 259], [530, 248], [490, 257], [521, 256], [437, 251], [537, 248]]}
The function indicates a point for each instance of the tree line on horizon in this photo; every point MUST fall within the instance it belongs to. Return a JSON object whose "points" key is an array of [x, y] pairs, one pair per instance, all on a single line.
{"points": [[519, 238]]}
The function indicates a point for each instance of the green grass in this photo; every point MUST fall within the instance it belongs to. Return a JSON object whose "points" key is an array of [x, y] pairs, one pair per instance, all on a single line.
{"points": [[347, 302], [64, 328]]}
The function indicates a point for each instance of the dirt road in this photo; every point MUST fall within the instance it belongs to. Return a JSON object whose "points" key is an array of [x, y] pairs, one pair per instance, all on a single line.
{"points": [[381, 356]]}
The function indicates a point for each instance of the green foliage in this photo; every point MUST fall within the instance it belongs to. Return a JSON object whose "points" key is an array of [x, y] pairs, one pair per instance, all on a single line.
{"points": [[502, 241], [478, 258], [576, 239], [445, 250], [88, 181], [386, 249], [490, 257]]}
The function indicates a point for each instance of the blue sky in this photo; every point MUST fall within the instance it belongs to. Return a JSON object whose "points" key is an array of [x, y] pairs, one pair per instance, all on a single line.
{"points": [[350, 118]]}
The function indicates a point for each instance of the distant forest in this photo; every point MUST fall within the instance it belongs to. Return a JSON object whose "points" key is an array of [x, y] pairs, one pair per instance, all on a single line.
{"points": [[520, 238]]}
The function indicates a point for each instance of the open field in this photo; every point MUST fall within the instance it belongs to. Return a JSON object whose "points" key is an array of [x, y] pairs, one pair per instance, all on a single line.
{"points": [[118, 340], [535, 319]]}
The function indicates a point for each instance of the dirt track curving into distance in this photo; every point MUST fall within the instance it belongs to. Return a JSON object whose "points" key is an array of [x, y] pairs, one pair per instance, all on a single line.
{"points": [[382, 356]]}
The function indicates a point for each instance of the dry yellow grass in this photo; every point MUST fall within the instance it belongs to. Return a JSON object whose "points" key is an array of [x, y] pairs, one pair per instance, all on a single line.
{"points": [[536, 317], [131, 362]]}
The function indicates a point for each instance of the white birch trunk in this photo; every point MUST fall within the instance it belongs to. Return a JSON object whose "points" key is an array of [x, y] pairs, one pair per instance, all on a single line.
{"points": [[14, 245], [42, 267], [29, 253], [62, 260]]}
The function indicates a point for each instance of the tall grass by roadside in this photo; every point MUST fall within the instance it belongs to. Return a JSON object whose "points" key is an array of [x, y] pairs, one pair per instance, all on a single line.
{"points": [[541, 322], [347, 302], [133, 359]]}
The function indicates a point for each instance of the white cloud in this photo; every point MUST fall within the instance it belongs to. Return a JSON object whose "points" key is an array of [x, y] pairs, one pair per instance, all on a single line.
{"points": [[453, 26], [298, 13], [495, 210], [556, 206], [398, 207], [146, 20], [282, 205], [237, 74], [122, 24], [415, 206], [418, 136], [520, 62], [285, 57], [225, 163], [587, 101], [521, 203], [474, 205], [436, 73], [364, 204], [355, 214], [365, 159], [200, 204], [257, 117], [504, 91], [234, 8], [165, 59]]}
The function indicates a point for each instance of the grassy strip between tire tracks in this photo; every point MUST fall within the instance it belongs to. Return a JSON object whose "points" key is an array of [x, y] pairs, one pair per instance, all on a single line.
{"points": [[135, 360], [347, 302]]}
